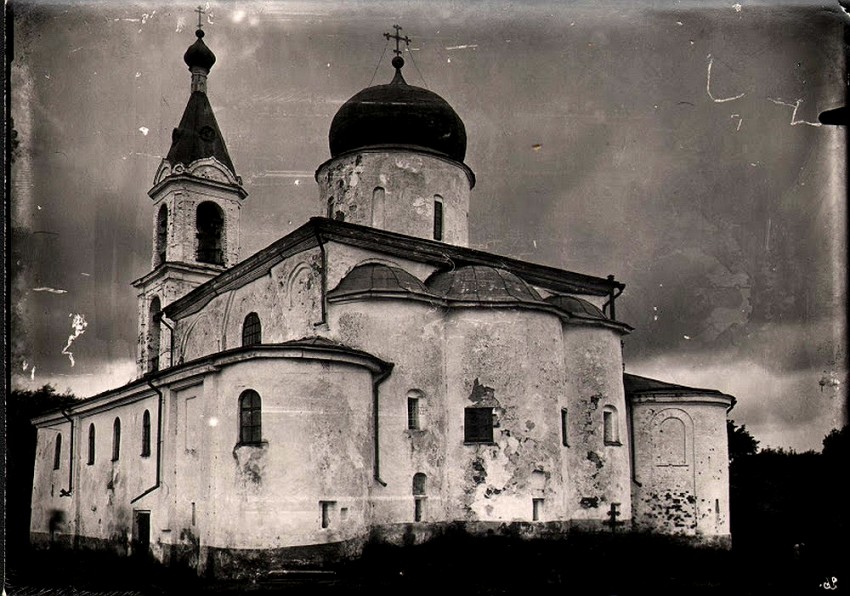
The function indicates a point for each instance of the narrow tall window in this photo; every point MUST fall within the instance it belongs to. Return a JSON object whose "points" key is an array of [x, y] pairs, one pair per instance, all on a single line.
{"points": [[250, 418], [564, 420], [478, 425], [251, 330], [161, 234], [146, 434], [153, 334], [438, 217], [610, 426], [91, 444], [378, 207], [57, 452], [328, 508], [116, 439], [412, 413], [330, 207], [419, 496], [210, 226], [536, 509]]}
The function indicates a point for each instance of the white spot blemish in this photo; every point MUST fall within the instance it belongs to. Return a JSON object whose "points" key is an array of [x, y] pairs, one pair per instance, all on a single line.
{"points": [[213, 421], [181, 24], [86, 274], [32, 374], [448, 61], [25, 365], [534, 242], [687, 336], [297, 182], [78, 324], [708, 86], [50, 290], [740, 120], [470, 46], [679, 23], [737, 7], [796, 106], [144, 130], [39, 207], [329, 64], [138, 74]]}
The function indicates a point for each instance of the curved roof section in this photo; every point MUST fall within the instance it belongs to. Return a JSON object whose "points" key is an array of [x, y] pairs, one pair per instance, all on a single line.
{"points": [[480, 283], [398, 115], [577, 307], [378, 278], [637, 387], [199, 55]]}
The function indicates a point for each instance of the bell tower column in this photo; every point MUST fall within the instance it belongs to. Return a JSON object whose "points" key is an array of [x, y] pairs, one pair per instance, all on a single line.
{"points": [[197, 197]]}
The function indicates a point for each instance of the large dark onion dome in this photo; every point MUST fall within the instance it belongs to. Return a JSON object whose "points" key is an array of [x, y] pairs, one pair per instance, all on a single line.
{"points": [[398, 115]]}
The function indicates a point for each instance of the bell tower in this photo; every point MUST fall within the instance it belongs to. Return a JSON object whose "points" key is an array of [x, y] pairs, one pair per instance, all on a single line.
{"points": [[197, 197]]}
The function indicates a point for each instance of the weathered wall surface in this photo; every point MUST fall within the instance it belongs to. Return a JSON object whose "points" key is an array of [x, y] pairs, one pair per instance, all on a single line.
{"points": [[287, 301], [99, 505], [409, 180], [342, 258], [681, 465], [599, 470], [317, 446], [409, 334], [509, 360]]}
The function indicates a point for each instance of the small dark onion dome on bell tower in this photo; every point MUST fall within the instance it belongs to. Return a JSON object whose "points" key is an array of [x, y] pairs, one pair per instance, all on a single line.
{"points": [[400, 115], [198, 54]]}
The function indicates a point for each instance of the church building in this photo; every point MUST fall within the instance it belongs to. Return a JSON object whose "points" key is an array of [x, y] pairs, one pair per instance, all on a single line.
{"points": [[368, 376]]}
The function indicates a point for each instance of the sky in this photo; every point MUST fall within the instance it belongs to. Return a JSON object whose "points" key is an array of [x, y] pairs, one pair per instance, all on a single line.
{"points": [[675, 145]]}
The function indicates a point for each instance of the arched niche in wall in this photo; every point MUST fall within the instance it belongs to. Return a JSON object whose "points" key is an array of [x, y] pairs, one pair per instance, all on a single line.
{"points": [[672, 438], [209, 222]]}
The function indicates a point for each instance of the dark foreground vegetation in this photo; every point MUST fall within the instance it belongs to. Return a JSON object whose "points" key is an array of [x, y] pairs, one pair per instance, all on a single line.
{"points": [[789, 527]]}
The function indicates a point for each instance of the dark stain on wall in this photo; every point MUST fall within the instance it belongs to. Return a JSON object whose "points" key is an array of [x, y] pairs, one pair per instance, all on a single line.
{"points": [[589, 502]]}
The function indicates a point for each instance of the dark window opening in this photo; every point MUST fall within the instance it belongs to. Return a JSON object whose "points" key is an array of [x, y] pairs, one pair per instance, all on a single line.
{"points": [[536, 509], [210, 225], [478, 425], [161, 234], [91, 444], [610, 426], [146, 434], [116, 439], [438, 217], [251, 330], [413, 413], [327, 512], [57, 453], [250, 418], [153, 335], [419, 486], [330, 207], [564, 420]]}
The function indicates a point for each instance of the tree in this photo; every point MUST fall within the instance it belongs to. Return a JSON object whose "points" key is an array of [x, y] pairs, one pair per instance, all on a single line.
{"points": [[835, 444], [741, 442]]}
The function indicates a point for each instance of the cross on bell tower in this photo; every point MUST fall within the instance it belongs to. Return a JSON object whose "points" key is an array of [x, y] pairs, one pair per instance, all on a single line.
{"points": [[200, 12], [398, 39]]}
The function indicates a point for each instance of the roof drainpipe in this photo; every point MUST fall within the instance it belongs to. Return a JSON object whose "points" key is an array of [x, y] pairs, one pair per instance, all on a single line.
{"points": [[375, 416], [170, 339], [67, 492], [158, 444], [631, 413], [324, 280]]}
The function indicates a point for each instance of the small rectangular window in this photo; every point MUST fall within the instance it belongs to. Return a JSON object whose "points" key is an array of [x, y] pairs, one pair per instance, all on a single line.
{"points": [[193, 513], [418, 508], [478, 425], [413, 413], [438, 219], [328, 508], [564, 441], [536, 509]]}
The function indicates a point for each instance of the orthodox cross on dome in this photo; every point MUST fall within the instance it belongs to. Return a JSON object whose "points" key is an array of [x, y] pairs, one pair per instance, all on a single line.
{"points": [[398, 39], [200, 12]]}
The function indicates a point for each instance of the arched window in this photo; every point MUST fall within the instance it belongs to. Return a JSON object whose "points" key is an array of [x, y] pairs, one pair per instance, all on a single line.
{"points": [[146, 434], [671, 442], [57, 453], [209, 222], [91, 444], [161, 234], [610, 425], [419, 482], [378, 207], [438, 217], [153, 335], [116, 439], [250, 418], [251, 330]]}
